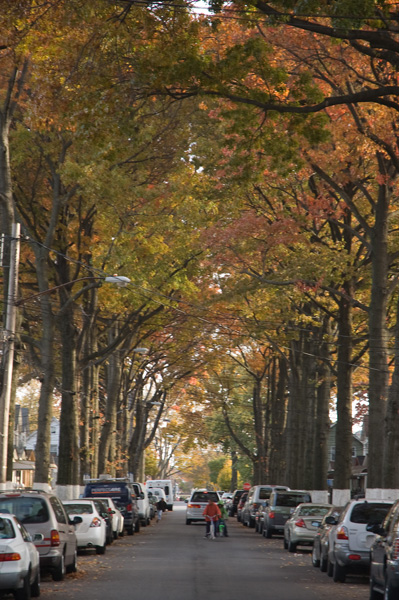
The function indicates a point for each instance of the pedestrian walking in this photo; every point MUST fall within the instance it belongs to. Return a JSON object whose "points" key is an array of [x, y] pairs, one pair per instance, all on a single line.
{"points": [[161, 507]]}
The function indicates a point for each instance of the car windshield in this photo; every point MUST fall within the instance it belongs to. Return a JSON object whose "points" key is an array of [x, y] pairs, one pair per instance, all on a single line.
{"points": [[313, 511], [369, 513], [204, 496], [6, 529], [264, 493], [26, 509], [79, 509], [290, 500]]}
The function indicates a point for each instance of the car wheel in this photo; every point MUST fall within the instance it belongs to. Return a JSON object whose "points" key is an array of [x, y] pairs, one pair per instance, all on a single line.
{"points": [[315, 560], [291, 546], [101, 549], [260, 528], [267, 532], [330, 568], [122, 533], [59, 571], [339, 573], [148, 521], [188, 521], [35, 587], [137, 527], [389, 592], [115, 534], [73, 567], [285, 543], [144, 523], [323, 564], [251, 522], [130, 530], [23, 593], [373, 595]]}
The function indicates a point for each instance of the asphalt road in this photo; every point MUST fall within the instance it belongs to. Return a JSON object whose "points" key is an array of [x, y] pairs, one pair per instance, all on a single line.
{"points": [[172, 561]]}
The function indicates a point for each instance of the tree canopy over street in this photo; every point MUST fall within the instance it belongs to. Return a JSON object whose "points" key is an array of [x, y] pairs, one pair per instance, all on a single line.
{"points": [[239, 166]]}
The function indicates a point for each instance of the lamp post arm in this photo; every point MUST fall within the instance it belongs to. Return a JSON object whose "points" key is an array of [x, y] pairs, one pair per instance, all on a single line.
{"points": [[57, 287]]}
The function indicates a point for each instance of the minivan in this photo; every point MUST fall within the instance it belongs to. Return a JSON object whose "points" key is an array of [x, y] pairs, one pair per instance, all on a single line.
{"points": [[257, 495], [122, 493], [279, 508]]}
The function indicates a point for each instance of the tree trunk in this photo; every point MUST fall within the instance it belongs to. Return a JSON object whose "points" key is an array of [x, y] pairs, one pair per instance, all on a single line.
{"points": [[277, 463], [106, 458], [391, 450], [378, 337], [68, 462], [343, 439], [234, 471], [322, 415]]}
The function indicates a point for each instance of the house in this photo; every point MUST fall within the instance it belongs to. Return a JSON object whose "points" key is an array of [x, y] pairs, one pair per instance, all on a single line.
{"points": [[359, 461]]}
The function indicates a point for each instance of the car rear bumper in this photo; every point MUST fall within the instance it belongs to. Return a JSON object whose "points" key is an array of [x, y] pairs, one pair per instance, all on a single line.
{"points": [[350, 558]]}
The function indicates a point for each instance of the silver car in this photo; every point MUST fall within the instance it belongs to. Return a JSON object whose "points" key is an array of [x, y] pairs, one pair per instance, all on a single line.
{"points": [[197, 503], [301, 528], [351, 541]]}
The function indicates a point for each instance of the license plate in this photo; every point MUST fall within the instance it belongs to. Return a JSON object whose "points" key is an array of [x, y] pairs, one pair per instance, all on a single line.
{"points": [[315, 523]]}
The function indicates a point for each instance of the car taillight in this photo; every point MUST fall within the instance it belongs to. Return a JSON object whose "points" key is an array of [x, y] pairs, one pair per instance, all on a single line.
{"points": [[354, 557], [342, 533], [271, 515], [395, 549], [300, 523], [10, 556], [96, 522], [129, 507], [194, 505], [55, 538]]}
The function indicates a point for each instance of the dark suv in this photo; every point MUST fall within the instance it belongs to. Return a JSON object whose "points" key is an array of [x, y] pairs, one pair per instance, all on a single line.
{"points": [[279, 508], [122, 493], [234, 502], [41, 512]]}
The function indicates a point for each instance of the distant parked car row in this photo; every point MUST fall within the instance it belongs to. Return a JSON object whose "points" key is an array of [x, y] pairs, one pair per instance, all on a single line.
{"points": [[40, 533]]}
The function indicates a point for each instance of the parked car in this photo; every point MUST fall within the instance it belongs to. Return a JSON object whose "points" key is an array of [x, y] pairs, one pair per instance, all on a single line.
{"points": [[117, 517], [240, 505], [351, 542], [300, 529], [384, 557], [279, 508], [231, 507], [19, 559], [122, 493], [43, 513], [92, 531], [143, 503], [102, 510], [196, 505], [256, 495], [321, 542]]}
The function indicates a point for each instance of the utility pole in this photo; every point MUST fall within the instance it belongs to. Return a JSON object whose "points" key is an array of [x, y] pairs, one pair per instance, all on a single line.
{"points": [[9, 346]]}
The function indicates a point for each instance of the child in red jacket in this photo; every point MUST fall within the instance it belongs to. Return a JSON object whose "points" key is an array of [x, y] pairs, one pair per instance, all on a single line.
{"points": [[211, 513]]}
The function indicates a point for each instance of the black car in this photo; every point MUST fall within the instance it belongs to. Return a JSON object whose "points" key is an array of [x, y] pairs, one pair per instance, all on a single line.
{"points": [[122, 493], [384, 557], [234, 502]]}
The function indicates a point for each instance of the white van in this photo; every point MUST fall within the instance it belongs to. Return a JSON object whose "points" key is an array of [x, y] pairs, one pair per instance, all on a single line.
{"points": [[166, 486], [143, 503]]}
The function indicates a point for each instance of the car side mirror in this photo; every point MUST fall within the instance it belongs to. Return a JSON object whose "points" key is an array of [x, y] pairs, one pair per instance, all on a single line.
{"points": [[37, 537], [76, 520], [331, 520], [142, 495]]}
